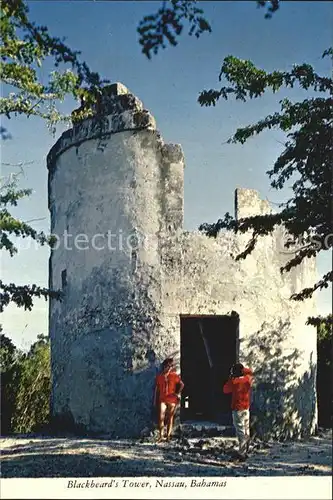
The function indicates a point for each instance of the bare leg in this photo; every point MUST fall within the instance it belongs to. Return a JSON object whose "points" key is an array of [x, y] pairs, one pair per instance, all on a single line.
{"points": [[171, 414], [161, 417]]}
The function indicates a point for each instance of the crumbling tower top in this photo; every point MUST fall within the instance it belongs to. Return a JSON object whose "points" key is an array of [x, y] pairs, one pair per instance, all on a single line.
{"points": [[116, 110], [248, 203]]}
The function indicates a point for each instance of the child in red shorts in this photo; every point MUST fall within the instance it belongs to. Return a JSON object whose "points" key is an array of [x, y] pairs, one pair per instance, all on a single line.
{"points": [[168, 386]]}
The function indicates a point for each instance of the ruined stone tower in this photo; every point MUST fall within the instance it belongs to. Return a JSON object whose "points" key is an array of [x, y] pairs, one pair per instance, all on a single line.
{"points": [[138, 288]]}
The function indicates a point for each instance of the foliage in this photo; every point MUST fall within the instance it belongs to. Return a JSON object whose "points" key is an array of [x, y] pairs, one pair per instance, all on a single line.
{"points": [[22, 296], [7, 352], [25, 48], [25, 386], [33, 395], [272, 6], [156, 30], [324, 324], [9, 381], [9, 196], [307, 157]]}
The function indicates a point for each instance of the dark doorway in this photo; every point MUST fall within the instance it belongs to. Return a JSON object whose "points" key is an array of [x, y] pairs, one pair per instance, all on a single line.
{"points": [[208, 349]]}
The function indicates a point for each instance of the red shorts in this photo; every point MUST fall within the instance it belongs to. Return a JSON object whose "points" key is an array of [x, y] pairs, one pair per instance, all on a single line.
{"points": [[170, 399]]}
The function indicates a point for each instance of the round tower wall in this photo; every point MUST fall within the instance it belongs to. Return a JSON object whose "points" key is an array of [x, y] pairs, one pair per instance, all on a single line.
{"points": [[108, 209]]}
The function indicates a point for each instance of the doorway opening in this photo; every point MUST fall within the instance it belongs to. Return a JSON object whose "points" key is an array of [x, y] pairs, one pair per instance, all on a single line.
{"points": [[209, 347]]}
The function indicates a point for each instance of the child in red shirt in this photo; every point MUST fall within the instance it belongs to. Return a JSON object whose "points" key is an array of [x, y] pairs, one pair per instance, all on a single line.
{"points": [[239, 385]]}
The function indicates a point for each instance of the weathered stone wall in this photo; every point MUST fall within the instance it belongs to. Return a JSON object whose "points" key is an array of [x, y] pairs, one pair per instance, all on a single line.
{"points": [[112, 191], [133, 271], [273, 338]]}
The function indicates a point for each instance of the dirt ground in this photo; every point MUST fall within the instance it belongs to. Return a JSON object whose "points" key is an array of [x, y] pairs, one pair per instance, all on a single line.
{"points": [[46, 456]]}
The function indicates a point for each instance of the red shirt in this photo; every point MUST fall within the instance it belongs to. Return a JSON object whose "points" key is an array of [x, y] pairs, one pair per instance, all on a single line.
{"points": [[166, 387], [240, 388]]}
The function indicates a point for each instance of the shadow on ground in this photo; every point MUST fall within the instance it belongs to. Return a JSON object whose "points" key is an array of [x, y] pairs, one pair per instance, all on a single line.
{"points": [[61, 457]]}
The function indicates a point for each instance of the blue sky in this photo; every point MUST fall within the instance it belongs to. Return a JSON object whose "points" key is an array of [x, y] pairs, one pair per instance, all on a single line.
{"points": [[168, 85]]}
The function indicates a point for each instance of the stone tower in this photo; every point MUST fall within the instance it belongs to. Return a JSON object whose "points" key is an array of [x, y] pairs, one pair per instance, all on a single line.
{"points": [[138, 288], [109, 184]]}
